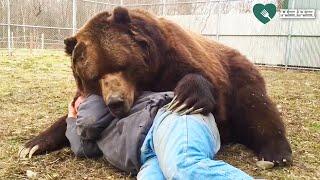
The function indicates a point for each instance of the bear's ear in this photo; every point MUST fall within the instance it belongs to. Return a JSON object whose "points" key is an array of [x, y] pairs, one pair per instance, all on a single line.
{"points": [[70, 43], [121, 15]]}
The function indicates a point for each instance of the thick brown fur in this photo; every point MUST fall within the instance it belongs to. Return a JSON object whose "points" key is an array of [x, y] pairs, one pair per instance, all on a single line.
{"points": [[51, 139], [158, 55]]}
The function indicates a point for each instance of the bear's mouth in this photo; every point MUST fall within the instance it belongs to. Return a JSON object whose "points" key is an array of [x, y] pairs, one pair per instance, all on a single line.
{"points": [[118, 109], [118, 113]]}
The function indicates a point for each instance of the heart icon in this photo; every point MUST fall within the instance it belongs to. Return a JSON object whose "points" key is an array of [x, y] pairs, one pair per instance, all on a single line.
{"points": [[264, 13]]}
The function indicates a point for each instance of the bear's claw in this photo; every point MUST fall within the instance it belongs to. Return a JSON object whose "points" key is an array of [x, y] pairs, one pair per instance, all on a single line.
{"points": [[283, 160], [23, 152], [33, 150], [187, 111], [172, 106], [179, 108]]}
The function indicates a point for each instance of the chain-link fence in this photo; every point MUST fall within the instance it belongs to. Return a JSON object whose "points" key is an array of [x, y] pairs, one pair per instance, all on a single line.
{"points": [[35, 25]]}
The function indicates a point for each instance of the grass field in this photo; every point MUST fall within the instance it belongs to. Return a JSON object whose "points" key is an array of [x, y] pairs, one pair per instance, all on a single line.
{"points": [[34, 91]]}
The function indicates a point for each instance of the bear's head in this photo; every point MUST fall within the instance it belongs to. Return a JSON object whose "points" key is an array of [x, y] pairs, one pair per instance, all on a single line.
{"points": [[124, 47], [118, 93]]}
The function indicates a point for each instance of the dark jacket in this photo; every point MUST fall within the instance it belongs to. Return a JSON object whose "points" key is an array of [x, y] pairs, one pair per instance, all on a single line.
{"points": [[96, 131]]}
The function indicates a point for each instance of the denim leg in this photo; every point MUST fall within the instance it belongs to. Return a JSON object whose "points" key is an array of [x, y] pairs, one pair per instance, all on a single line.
{"points": [[186, 145], [150, 170]]}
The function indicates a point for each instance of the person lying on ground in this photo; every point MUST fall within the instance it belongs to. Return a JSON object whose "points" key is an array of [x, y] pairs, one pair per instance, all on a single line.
{"points": [[152, 141]]}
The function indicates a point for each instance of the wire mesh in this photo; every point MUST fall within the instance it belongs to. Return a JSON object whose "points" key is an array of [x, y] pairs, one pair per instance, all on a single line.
{"points": [[43, 24]]}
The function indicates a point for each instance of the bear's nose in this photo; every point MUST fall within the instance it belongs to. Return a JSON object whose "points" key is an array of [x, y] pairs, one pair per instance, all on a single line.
{"points": [[115, 101], [116, 104]]}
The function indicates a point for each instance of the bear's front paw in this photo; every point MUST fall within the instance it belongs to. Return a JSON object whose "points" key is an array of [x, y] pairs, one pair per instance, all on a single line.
{"points": [[35, 146], [193, 95], [278, 153]]}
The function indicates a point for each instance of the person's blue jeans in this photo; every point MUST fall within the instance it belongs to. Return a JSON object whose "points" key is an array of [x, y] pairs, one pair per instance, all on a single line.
{"points": [[183, 147]]}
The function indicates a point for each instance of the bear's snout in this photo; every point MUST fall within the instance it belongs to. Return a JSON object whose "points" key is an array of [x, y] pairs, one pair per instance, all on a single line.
{"points": [[117, 106], [118, 93]]}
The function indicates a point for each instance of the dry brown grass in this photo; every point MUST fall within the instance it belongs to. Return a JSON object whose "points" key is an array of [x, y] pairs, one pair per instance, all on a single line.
{"points": [[35, 90]]}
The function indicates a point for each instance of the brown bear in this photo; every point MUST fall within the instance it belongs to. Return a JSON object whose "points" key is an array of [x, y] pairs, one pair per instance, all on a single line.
{"points": [[155, 54]]}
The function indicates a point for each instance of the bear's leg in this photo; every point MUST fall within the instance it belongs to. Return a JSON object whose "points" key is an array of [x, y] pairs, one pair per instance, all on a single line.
{"points": [[255, 120], [256, 123], [194, 94], [52, 139], [49, 140]]}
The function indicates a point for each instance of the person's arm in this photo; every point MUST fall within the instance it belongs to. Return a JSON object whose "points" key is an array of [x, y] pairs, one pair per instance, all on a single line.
{"points": [[92, 118], [79, 146]]}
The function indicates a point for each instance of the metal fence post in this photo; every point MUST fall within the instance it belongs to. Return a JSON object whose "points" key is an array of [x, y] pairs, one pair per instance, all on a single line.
{"points": [[289, 41], [42, 41], [9, 31], [163, 7], [95, 7], [74, 16], [218, 21], [12, 45]]}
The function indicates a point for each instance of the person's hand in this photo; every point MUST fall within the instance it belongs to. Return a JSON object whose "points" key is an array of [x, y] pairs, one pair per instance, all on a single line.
{"points": [[79, 100], [73, 110]]}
